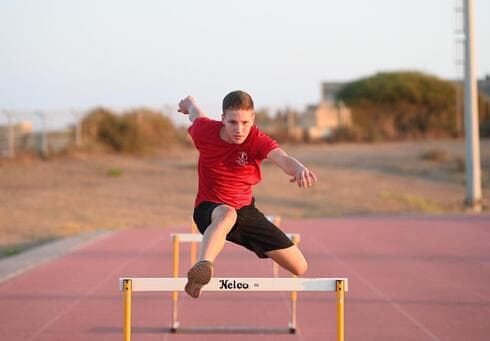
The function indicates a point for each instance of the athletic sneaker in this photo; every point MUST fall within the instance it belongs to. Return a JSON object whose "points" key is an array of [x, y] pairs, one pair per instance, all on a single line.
{"points": [[200, 274]]}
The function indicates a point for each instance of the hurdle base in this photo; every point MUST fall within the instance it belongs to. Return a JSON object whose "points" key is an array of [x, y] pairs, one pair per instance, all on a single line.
{"points": [[232, 330], [174, 327]]}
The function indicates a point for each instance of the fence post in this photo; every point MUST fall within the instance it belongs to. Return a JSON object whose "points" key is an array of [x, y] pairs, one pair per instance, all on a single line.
{"points": [[42, 139], [78, 128], [10, 134]]}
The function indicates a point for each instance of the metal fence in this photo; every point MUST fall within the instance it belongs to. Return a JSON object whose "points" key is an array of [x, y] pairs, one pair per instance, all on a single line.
{"points": [[39, 132]]}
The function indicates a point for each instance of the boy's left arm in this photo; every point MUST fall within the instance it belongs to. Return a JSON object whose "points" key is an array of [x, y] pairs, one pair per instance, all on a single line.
{"points": [[301, 175]]}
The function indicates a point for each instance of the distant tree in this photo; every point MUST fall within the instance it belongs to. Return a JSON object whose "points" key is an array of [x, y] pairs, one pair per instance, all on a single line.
{"points": [[484, 114], [398, 105]]}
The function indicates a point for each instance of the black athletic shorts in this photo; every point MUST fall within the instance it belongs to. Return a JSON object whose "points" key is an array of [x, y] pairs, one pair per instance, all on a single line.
{"points": [[251, 230]]}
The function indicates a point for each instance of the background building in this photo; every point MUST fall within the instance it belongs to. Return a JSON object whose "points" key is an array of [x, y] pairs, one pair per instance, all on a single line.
{"points": [[319, 121]]}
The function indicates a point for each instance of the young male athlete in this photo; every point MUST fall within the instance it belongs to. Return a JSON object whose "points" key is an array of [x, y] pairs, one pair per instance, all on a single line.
{"points": [[230, 153]]}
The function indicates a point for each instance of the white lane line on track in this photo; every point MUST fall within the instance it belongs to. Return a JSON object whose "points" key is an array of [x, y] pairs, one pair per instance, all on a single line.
{"points": [[378, 292], [109, 277]]}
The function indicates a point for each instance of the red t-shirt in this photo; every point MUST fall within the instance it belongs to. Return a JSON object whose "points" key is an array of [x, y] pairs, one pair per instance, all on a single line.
{"points": [[227, 171]]}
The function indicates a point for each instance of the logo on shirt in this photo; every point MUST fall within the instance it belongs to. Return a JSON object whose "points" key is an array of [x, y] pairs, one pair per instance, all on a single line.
{"points": [[242, 159]]}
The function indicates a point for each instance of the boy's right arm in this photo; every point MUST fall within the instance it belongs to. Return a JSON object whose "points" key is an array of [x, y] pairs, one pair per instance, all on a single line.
{"points": [[188, 106]]}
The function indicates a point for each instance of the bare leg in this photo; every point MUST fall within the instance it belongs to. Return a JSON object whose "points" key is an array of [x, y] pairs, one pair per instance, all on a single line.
{"points": [[222, 220], [290, 259], [213, 240]]}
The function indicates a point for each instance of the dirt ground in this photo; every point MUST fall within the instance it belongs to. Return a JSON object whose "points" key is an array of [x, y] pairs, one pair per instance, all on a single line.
{"points": [[46, 199]]}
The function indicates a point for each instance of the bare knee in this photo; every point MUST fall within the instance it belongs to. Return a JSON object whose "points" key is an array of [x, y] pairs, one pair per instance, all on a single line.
{"points": [[300, 268], [224, 216], [290, 259], [224, 212]]}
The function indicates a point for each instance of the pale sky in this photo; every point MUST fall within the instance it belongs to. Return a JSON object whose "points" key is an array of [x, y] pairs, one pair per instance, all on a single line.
{"points": [[59, 54]]}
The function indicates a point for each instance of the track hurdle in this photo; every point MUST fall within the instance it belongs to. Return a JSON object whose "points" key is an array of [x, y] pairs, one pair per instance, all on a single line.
{"points": [[178, 238], [275, 219], [339, 285]]}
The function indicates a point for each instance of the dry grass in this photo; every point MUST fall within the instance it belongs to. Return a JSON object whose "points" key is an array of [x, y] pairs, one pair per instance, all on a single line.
{"points": [[41, 200]]}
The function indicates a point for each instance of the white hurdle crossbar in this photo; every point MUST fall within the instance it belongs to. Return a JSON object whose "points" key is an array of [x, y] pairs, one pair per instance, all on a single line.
{"points": [[178, 238], [339, 285]]}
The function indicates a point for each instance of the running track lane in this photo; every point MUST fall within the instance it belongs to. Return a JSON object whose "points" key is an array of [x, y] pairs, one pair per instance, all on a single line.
{"points": [[411, 278]]}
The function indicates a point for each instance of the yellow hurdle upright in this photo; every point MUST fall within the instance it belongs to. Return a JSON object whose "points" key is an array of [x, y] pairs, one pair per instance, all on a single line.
{"points": [[128, 291], [341, 288]]}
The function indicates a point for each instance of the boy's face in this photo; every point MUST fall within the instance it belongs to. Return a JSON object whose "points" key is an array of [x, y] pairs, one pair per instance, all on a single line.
{"points": [[237, 123]]}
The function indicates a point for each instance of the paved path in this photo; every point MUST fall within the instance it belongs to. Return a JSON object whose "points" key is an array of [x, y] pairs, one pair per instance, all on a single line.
{"points": [[411, 278]]}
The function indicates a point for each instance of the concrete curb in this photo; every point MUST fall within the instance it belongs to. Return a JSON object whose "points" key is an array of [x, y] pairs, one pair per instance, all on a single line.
{"points": [[15, 265]]}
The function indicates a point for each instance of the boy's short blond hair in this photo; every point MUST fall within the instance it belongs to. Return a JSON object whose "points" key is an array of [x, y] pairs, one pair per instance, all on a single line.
{"points": [[238, 100]]}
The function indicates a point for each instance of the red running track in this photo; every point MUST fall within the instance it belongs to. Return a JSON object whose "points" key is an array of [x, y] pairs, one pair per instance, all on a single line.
{"points": [[410, 278]]}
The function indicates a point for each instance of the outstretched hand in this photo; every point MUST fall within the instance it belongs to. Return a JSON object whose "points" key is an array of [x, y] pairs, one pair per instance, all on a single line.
{"points": [[304, 178], [186, 104]]}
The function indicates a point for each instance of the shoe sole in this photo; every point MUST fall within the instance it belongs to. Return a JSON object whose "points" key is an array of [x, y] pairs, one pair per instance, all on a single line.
{"points": [[198, 276]]}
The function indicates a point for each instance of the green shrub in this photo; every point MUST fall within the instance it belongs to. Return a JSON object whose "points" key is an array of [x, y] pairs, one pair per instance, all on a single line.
{"points": [[405, 105], [11, 251], [114, 172]]}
